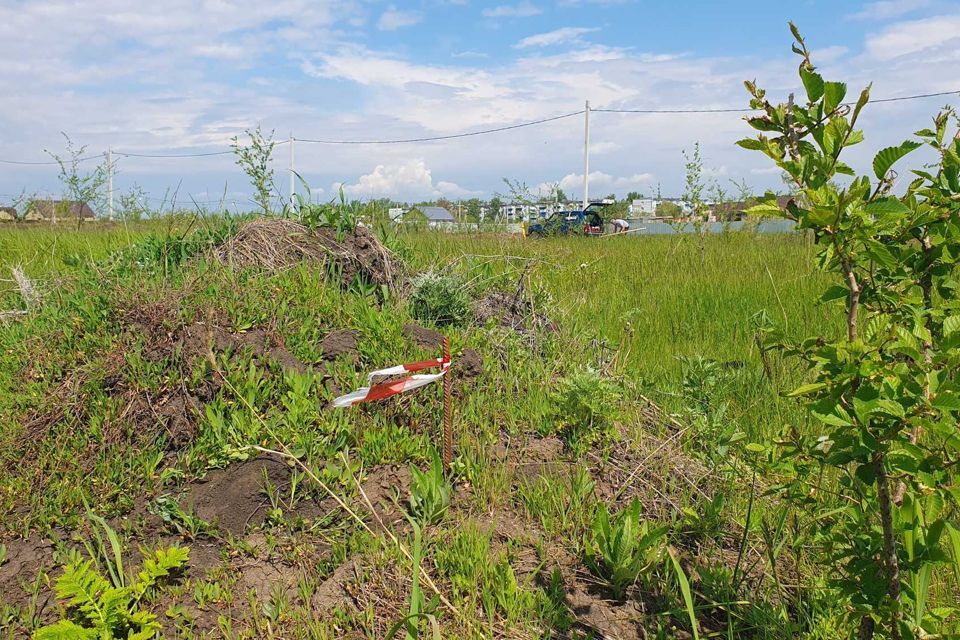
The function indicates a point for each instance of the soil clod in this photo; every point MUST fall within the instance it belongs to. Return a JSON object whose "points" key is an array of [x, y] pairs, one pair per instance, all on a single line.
{"points": [[422, 337], [342, 342]]}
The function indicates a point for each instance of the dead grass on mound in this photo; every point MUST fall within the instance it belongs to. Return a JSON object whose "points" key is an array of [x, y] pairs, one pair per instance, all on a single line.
{"points": [[278, 244]]}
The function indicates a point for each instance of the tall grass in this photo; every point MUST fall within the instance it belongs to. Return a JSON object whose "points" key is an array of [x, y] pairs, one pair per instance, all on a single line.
{"points": [[654, 299]]}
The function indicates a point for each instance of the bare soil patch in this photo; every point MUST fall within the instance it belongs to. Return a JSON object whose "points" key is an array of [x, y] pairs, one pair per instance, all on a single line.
{"points": [[234, 498], [340, 343], [26, 559], [423, 337]]}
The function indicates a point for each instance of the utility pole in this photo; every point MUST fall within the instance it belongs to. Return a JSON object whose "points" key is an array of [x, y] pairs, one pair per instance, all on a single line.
{"points": [[293, 186], [586, 155], [109, 155]]}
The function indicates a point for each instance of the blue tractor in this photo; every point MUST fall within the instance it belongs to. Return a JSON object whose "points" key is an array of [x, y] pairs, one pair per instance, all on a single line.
{"points": [[585, 222]]}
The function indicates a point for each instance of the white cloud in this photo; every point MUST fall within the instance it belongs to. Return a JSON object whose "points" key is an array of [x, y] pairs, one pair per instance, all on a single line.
{"points": [[766, 171], [557, 36], [887, 9], [410, 181], [523, 9], [600, 183], [393, 19], [914, 36], [602, 147]]}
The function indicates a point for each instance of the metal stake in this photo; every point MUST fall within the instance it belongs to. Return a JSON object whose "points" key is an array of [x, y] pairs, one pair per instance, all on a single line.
{"points": [[447, 409]]}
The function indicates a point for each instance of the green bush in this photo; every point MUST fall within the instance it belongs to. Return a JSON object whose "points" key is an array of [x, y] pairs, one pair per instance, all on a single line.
{"points": [[583, 407], [439, 299]]}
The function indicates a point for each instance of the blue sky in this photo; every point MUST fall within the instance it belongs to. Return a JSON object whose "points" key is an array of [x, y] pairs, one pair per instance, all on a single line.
{"points": [[186, 76]]}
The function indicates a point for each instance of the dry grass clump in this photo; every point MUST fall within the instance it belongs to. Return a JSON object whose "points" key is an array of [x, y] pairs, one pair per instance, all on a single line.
{"points": [[278, 244]]}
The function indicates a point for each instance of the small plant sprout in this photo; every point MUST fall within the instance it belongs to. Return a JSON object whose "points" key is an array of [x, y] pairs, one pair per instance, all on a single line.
{"points": [[430, 492], [621, 550], [109, 611]]}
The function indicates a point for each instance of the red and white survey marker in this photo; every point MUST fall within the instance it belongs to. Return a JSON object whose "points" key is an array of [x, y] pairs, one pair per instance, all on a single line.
{"points": [[387, 389]]}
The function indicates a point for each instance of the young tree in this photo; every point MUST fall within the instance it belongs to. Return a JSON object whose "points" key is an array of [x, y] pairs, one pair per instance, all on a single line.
{"points": [[693, 196], [885, 394], [495, 204], [254, 159], [83, 187]]}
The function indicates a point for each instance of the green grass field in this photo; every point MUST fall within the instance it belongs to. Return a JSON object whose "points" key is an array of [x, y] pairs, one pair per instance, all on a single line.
{"points": [[148, 386]]}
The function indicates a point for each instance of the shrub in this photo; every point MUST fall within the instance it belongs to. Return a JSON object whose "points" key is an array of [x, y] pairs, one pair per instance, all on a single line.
{"points": [[584, 403], [439, 299], [623, 550]]}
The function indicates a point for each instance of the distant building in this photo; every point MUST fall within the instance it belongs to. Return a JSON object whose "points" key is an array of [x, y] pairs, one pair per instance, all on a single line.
{"points": [[8, 214], [643, 207], [396, 213], [437, 216], [527, 211], [56, 210]]}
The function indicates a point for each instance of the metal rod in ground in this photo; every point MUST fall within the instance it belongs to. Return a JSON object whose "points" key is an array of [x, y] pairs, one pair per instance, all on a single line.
{"points": [[447, 409]]}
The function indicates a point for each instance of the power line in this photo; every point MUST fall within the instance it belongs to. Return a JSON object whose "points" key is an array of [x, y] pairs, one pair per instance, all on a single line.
{"points": [[172, 155], [447, 137], [453, 136], [201, 154], [48, 162], [724, 110]]}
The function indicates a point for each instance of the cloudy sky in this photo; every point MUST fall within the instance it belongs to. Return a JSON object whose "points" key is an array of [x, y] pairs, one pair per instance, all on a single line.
{"points": [[184, 76]]}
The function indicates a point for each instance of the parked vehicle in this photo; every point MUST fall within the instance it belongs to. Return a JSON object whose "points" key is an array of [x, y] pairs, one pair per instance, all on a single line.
{"points": [[586, 222]]}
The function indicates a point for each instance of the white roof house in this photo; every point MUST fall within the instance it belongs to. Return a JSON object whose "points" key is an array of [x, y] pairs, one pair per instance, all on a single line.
{"points": [[437, 214]]}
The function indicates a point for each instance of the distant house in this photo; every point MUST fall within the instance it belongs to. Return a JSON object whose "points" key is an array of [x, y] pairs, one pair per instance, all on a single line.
{"points": [[437, 216], [8, 214], [643, 207], [57, 210]]}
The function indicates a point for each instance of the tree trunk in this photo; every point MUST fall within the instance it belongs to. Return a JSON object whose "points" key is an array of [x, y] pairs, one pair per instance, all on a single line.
{"points": [[853, 304], [890, 560]]}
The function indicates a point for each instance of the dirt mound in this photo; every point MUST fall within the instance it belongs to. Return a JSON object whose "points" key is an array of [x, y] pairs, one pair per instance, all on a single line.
{"points": [[424, 338], [235, 498], [468, 365], [277, 244], [510, 310], [342, 342]]}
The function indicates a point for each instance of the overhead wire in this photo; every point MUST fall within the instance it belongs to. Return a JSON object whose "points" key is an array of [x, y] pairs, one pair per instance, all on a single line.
{"points": [[453, 136]]}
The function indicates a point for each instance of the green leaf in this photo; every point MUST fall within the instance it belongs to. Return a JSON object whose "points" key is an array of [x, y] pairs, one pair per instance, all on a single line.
{"points": [[946, 402], [833, 95], [951, 324], [685, 591], [65, 630], [807, 389], [752, 144], [886, 206], [886, 158], [812, 82], [836, 292]]}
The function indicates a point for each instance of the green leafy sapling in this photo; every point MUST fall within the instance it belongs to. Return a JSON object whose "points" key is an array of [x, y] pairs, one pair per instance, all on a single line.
{"points": [[254, 158], [885, 394]]}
